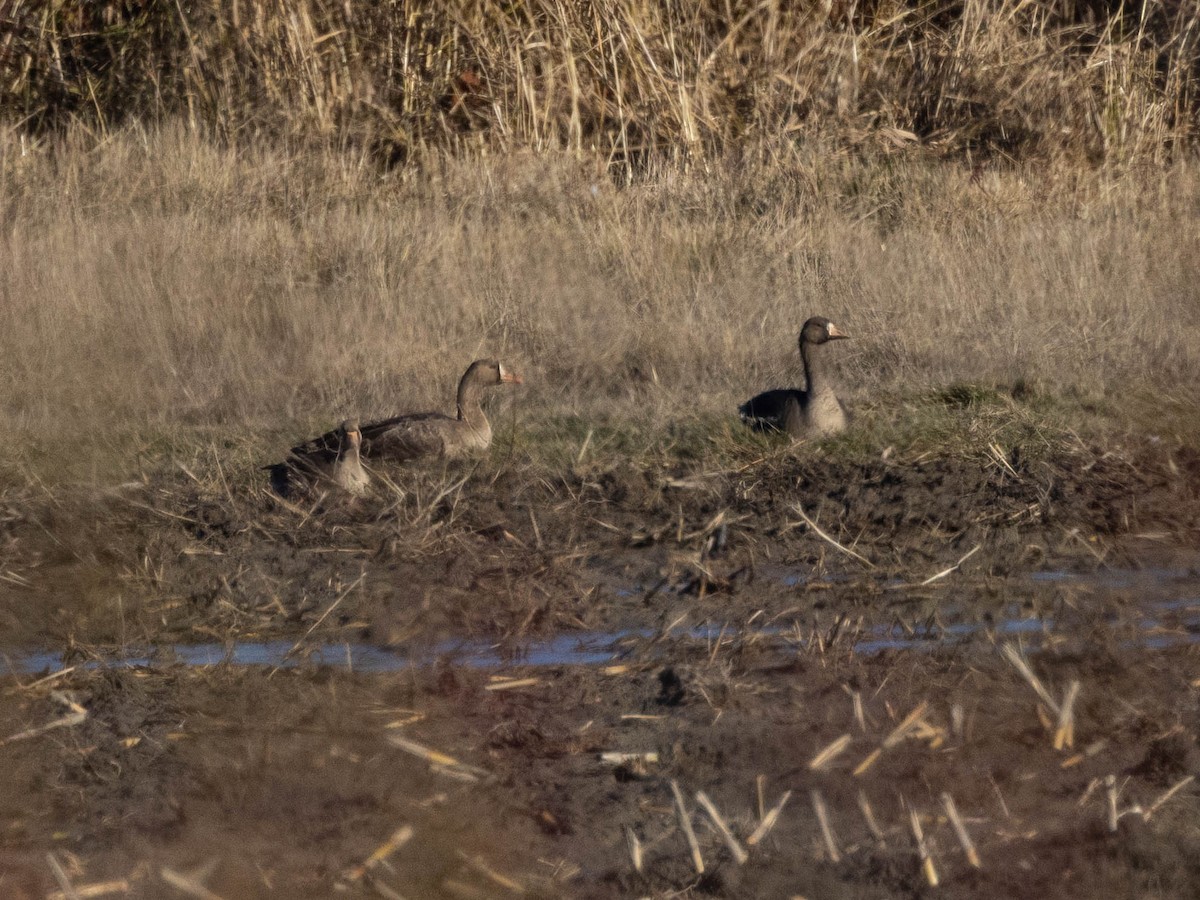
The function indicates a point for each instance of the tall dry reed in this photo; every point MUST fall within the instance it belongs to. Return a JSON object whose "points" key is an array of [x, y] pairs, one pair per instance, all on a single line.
{"points": [[634, 81]]}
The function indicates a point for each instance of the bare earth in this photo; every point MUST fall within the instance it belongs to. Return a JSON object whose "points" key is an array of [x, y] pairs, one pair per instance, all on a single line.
{"points": [[743, 641]]}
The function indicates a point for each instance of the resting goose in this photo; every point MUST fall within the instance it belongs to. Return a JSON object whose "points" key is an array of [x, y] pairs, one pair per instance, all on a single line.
{"points": [[803, 413], [431, 434], [337, 462]]}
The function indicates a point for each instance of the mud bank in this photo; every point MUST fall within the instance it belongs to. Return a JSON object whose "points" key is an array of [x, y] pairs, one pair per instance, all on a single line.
{"points": [[261, 782], [737, 670]]}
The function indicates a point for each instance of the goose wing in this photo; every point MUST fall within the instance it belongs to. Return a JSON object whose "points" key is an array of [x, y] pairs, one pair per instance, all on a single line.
{"points": [[324, 447], [409, 437], [306, 462], [769, 410]]}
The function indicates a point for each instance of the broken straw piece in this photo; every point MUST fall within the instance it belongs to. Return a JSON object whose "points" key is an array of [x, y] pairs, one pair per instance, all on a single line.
{"points": [[868, 814], [829, 753], [922, 849], [685, 823], [769, 820], [398, 839], [818, 803], [961, 830], [730, 841]]}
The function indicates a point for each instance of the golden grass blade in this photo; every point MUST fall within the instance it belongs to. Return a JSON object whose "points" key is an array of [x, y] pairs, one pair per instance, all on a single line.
{"points": [[739, 853], [825, 537], [960, 830], [685, 822], [829, 753], [768, 821]]}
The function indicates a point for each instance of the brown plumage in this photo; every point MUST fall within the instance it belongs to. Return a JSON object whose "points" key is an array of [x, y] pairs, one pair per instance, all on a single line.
{"points": [[431, 434], [336, 463], [811, 412]]}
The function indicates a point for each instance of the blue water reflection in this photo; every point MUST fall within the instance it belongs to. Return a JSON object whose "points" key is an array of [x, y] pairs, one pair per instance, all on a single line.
{"points": [[1160, 625]]}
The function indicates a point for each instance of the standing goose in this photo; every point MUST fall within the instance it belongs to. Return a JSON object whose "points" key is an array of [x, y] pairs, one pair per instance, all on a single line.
{"points": [[431, 434], [337, 462], [811, 412]]}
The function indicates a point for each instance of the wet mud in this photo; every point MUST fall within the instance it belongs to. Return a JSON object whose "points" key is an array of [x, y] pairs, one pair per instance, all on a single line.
{"points": [[799, 627]]}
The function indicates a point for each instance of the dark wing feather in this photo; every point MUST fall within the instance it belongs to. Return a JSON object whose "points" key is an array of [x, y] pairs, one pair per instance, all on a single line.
{"points": [[400, 437], [305, 461], [281, 478], [769, 410], [408, 437], [324, 447]]}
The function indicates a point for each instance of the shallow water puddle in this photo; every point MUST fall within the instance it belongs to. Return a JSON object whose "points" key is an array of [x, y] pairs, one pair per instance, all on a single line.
{"points": [[576, 649], [1162, 624], [1113, 578]]}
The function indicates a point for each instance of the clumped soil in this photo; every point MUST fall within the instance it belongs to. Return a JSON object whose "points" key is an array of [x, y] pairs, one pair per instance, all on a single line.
{"points": [[494, 551], [265, 782]]}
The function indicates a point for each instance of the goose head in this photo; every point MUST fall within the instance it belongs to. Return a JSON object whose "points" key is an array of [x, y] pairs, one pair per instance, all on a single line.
{"points": [[819, 330], [351, 435], [488, 372], [483, 373]]}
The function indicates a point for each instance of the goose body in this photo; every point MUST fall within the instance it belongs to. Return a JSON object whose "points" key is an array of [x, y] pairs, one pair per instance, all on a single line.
{"points": [[431, 434], [813, 411], [337, 463]]}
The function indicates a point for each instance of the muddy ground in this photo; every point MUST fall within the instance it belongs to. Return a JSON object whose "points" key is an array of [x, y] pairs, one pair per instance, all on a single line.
{"points": [[167, 780]]}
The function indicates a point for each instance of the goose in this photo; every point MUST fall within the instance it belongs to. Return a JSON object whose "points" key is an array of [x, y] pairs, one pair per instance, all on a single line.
{"points": [[337, 462], [811, 412], [430, 434]]}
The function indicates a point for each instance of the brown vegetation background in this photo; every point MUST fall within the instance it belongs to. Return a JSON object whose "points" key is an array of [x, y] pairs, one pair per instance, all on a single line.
{"points": [[241, 221], [634, 80]]}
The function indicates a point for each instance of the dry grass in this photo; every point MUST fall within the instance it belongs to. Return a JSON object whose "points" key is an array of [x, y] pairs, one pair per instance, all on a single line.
{"points": [[160, 291]]}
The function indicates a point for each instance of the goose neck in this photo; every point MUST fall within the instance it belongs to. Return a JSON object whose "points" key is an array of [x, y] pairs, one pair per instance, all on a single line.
{"points": [[816, 375], [470, 407]]}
